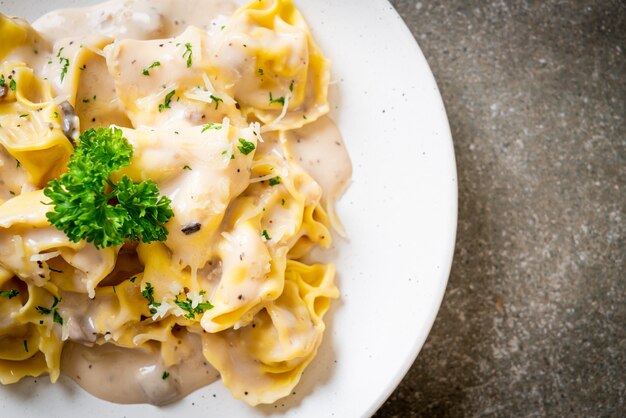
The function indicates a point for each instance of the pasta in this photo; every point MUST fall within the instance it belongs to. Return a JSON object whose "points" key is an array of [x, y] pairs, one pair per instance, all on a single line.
{"points": [[211, 109]]}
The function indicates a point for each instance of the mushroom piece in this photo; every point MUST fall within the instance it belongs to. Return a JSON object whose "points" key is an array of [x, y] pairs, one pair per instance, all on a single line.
{"points": [[191, 228], [69, 121]]}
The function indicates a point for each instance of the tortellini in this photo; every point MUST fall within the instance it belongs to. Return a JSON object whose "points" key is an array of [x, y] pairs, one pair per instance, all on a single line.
{"points": [[195, 105]]}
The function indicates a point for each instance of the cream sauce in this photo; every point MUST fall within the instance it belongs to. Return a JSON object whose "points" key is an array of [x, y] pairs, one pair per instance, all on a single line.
{"points": [[318, 147], [139, 19], [124, 375]]}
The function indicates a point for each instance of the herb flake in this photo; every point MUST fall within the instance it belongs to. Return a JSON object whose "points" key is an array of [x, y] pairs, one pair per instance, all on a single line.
{"points": [[280, 100], [167, 101], [217, 101], [186, 305], [148, 293], [210, 126], [56, 317], [146, 71], [246, 147], [63, 61], [188, 54], [10, 293]]}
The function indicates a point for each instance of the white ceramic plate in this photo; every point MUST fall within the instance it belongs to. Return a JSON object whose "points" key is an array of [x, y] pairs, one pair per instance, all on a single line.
{"points": [[399, 213]]}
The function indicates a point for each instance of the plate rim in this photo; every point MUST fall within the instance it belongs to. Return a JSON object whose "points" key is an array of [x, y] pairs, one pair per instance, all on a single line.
{"points": [[429, 321]]}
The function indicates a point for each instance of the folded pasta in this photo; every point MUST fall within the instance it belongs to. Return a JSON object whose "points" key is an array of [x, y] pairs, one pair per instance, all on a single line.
{"points": [[200, 108]]}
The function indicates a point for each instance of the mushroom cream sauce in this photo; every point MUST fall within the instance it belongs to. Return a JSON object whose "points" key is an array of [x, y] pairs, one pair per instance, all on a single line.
{"points": [[251, 73]]}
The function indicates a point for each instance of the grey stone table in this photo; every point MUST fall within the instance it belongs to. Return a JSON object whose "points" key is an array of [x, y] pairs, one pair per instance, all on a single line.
{"points": [[533, 322]]}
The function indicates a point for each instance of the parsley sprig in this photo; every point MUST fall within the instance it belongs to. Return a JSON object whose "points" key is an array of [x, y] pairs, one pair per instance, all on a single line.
{"points": [[87, 205]]}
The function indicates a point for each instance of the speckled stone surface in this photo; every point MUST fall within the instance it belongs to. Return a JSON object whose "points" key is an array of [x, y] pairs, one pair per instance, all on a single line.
{"points": [[533, 322]]}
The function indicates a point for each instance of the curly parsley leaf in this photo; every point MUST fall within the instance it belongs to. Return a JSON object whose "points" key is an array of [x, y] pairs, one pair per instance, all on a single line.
{"points": [[87, 205]]}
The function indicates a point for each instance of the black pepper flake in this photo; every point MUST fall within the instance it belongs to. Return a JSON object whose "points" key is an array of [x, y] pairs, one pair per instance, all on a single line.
{"points": [[240, 297], [191, 228]]}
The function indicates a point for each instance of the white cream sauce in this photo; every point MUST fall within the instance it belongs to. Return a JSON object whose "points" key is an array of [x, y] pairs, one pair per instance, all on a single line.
{"points": [[139, 19], [124, 375], [133, 375], [318, 147]]}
